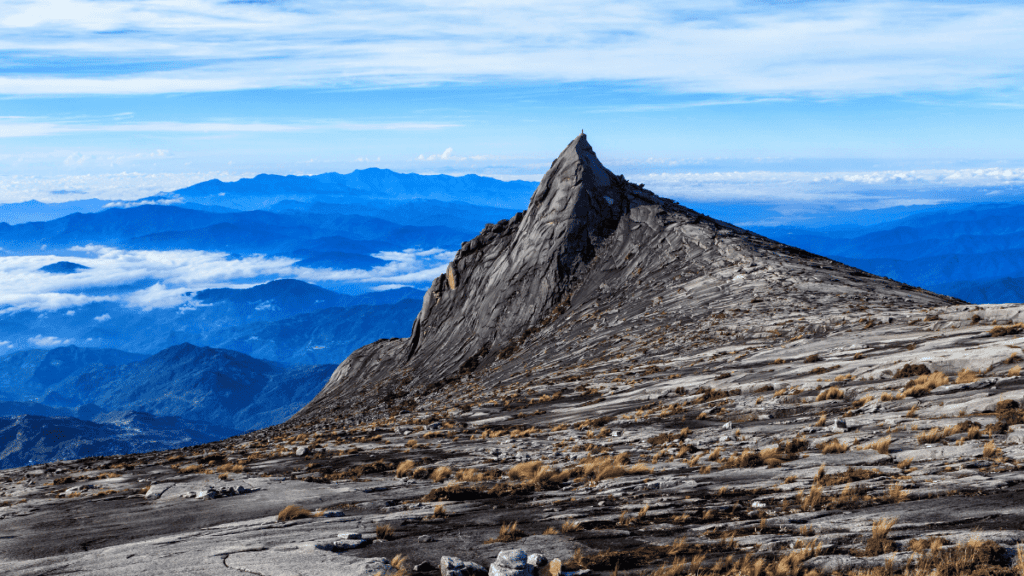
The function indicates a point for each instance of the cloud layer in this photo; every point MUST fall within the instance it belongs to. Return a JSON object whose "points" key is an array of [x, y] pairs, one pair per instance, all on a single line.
{"points": [[172, 274], [66, 47]]}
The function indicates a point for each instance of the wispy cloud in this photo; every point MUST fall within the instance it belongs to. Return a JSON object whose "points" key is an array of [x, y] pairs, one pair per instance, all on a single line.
{"points": [[176, 273], [24, 127], [825, 48], [825, 190]]}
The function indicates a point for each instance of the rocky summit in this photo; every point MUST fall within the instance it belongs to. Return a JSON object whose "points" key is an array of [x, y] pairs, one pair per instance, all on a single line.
{"points": [[607, 383]]}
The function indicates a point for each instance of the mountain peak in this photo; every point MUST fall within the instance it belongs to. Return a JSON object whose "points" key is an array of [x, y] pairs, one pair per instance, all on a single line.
{"points": [[594, 260]]}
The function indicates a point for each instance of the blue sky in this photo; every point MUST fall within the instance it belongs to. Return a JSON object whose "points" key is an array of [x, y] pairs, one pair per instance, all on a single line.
{"points": [[853, 104]]}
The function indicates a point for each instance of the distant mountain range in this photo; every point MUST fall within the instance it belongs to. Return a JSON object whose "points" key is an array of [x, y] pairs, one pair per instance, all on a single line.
{"points": [[970, 251], [30, 439], [71, 402], [265, 190], [284, 321], [223, 388]]}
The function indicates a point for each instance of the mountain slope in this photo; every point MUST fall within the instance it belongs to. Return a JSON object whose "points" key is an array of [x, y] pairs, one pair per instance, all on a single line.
{"points": [[31, 373], [28, 439], [204, 384], [531, 292]]}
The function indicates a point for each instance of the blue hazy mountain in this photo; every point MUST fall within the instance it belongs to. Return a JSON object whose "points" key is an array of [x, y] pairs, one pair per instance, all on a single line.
{"points": [[285, 234], [197, 383], [64, 267], [319, 337], [971, 251], [31, 439], [30, 374], [35, 211], [265, 190], [276, 321]]}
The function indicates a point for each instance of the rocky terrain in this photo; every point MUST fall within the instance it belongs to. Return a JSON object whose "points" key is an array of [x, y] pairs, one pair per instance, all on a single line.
{"points": [[607, 383]]}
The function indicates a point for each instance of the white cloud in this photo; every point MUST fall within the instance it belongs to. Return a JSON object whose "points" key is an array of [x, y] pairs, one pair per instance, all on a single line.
{"points": [[876, 189], [104, 186], [41, 341], [16, 127], [734, 47], [132, 204], [175, 273], [384, 287], [102, 318]]}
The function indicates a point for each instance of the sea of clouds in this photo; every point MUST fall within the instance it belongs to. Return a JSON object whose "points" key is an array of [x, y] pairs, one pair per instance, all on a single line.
{"points": [[168, 276]]}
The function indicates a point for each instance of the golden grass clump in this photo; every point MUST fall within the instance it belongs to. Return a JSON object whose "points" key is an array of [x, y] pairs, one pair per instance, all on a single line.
{"points": [[1014, 371], [231, 468], [570, 526], [879, 543], [933, 435], [384, 531], [966, 376], [812, 500], [831, 393], [405, 468], [991, 450], [895, 494], [440, 474], [538, 475], [924, 384], [508, 533], [1007, 329], [881, 445], [833, 446], [597, 468], [293, 512]]}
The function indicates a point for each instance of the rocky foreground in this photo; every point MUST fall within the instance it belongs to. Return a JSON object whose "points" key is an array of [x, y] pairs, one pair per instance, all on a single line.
{"points": [[893, 443]]}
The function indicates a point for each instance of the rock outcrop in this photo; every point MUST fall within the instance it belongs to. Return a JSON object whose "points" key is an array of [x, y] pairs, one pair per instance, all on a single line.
{"points": [[590, 245]]}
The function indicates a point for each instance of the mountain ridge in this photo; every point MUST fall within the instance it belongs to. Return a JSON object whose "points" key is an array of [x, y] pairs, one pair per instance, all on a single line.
{"points": [[589, 240]]}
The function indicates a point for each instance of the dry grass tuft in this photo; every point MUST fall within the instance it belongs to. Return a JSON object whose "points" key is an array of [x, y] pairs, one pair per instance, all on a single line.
{"points": [[440, 474], [405, 468], [881, 445], [384, 532], [966, 376], [293, 512], [1007, 330], [831, 393], [508, 533], [895, 494], [924, 384], [991, 450], [537, 475], [570, 526], [879, 543], [833, 446]]}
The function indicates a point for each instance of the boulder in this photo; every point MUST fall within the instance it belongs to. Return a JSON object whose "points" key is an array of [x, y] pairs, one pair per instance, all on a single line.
{"points": [[451, 566], [512, 563]]}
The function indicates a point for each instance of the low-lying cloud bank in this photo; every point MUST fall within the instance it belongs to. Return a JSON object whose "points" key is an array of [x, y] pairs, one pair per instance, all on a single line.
{"points": [[172, 275], [825, 191]]}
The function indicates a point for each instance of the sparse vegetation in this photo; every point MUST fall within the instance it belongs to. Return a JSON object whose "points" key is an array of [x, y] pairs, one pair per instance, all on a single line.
{"points": [[293, 512], [831, 393]]}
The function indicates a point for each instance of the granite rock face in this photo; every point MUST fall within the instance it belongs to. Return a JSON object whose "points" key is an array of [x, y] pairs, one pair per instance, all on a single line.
{"points": [[591, 243]]}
